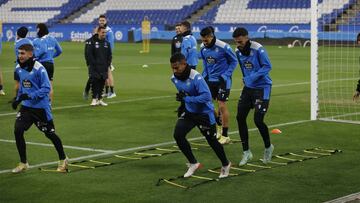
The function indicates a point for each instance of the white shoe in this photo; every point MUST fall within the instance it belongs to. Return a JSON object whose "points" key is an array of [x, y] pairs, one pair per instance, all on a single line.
{"points": [[112, 68], [218, 131], [102, 103], [20, 167], [192, 169], [94, 102], [224, 140], [225, 170], [111, 95], [247, 156], [63, 165], [2, 93], [268, 154]]}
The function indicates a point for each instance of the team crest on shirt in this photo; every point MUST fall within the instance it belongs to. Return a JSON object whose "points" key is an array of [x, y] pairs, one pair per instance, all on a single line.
{"points": [[210, 60], [248, 65], [26, 84]]}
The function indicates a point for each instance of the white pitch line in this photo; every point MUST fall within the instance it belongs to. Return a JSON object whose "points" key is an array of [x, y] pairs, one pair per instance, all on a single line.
{"points": [[144, 147], [65, 146], [145, 99]]}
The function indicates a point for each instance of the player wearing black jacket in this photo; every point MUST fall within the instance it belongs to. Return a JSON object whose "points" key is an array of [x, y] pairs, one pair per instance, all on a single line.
{"points": [[176, 41], [98, 59]]}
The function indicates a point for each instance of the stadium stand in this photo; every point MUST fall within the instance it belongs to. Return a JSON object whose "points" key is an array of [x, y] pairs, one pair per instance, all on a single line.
{"points": [[279, 11], [170, 12], [159, 11], [25, 11]]}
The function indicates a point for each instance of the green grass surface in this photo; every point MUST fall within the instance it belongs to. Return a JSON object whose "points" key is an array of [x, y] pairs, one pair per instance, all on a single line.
{"points": [[143, 114]]}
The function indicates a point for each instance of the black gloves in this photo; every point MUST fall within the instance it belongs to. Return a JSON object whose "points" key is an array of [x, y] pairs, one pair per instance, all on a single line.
{"points": [[180, 96], [15, 103], [181, 109]]}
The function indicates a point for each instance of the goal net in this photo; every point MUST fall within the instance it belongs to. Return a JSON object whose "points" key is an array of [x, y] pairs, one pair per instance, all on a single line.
{"points": [[338, 63]]}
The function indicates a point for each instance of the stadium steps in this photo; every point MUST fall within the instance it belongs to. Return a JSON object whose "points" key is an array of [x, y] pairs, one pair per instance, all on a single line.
{"points": [[81, 11], [344, 17], [197, 14]]}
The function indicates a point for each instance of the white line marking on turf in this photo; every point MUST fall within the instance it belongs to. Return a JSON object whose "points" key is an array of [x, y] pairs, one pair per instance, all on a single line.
{"points": [[144, 147], [144, 99], [65, 146]]}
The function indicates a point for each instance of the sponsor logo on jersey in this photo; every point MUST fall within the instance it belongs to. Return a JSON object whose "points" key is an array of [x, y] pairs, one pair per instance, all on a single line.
{"points": [[248, 65]]}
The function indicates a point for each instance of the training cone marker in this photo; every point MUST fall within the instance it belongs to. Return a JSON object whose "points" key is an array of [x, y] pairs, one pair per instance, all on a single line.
{"points": [[276, 131]]}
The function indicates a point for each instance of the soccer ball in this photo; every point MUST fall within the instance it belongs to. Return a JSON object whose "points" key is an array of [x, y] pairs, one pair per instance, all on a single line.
{"points": [[145, 66]]}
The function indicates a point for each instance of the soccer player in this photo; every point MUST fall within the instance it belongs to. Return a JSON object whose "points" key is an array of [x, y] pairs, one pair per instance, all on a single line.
{"points": [[33, 94], [98, 59], [109, 83], [20, 40], [2, 92], [188, 45], [47, 48], [198, 111], [219, 63], [255, 66], [176, 41]]}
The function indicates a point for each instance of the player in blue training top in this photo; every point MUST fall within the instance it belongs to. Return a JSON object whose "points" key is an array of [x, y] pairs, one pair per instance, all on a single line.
{"points": [[46, 49], [33, 94], [219, 63], [255, 66], [197, 110], [188, 45], [20, 40]]}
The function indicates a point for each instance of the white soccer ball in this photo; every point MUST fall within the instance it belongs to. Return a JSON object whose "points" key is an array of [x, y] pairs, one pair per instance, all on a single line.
{"points": [[145, 66], [290, 46]]}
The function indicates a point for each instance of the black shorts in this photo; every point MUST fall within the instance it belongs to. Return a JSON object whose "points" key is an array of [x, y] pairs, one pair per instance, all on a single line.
{"points": [[214, 89], [253, 98], [205, 123], [28, 116], [49, 69]]}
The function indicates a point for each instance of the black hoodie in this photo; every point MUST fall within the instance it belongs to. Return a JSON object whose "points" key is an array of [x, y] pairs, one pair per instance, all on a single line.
{"points": [[98, 56]]}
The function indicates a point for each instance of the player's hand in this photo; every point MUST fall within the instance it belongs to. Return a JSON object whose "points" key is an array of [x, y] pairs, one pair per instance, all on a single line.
{"points": [[180, 96], [15, 103], [24, 97]]}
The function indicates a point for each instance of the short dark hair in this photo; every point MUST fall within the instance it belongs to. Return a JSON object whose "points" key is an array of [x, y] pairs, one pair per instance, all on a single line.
{"points": [[177, 57], [207, 31], [186, 24], [102, 16], [43, 29], [240, 31], [358, 37], [22, 32], [178, 24], [100, 28], [26, 47]]}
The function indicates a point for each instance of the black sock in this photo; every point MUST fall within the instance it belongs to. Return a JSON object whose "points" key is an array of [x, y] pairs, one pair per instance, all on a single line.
{"points": [[20, 144], [225, 131], [57, 143], [88, 86], [112, 89], [215, 145], [263, 129], [106, 89], [1, 87]]}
